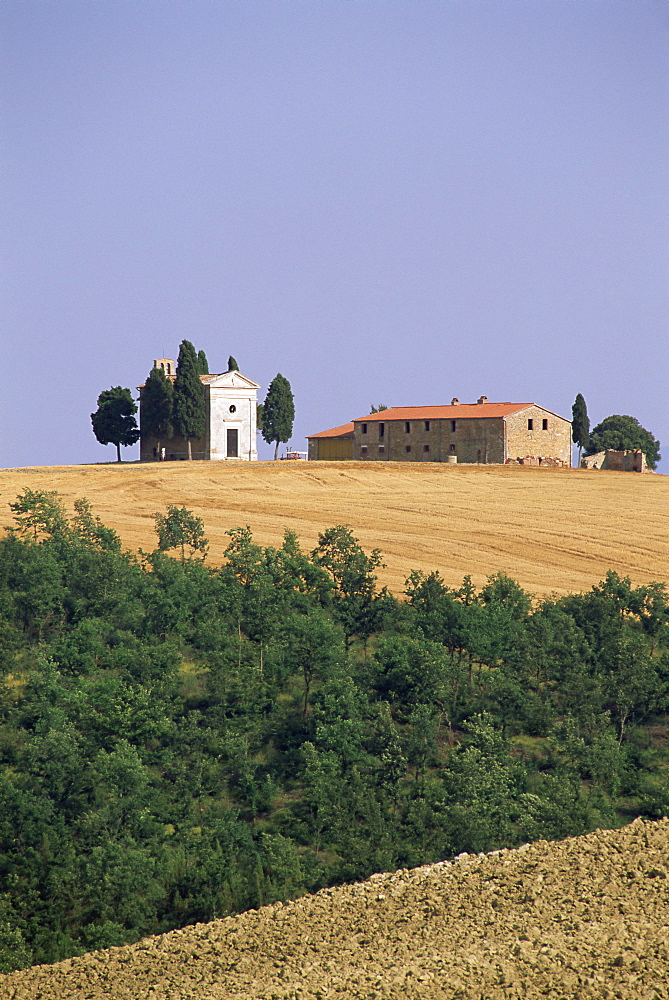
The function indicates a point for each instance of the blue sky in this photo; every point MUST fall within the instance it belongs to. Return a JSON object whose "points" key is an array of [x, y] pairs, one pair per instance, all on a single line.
{"points": [[387, 202]]}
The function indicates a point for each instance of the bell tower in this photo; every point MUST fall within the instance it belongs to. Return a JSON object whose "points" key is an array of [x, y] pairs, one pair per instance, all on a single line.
{"points": [[167, 365]]}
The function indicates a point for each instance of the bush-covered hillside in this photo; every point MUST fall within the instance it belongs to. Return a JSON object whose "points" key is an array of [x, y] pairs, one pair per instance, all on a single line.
{"points": [[181, 743]]}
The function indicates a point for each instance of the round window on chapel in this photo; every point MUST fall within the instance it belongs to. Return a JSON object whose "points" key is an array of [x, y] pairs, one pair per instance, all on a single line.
{"points": [[233, 408]]}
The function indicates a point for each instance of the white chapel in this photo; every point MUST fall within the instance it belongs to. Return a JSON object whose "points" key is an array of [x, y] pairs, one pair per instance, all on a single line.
{"points": [[230, 431]]}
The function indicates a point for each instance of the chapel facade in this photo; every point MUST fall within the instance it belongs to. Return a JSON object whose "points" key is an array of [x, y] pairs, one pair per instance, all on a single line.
{"points": [[230, 431]]}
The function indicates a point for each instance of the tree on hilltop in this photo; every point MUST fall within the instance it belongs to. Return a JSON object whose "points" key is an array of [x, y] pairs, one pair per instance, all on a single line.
{"points": [[232, 364], [202, 363], [189, 412], [624, 433], [278, 412], [114, 420], [580, 425]]}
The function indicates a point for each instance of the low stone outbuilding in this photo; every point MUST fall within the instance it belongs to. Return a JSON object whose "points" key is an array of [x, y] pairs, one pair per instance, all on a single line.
{"points": [[630, 460], [230, 431], [471, 433]]}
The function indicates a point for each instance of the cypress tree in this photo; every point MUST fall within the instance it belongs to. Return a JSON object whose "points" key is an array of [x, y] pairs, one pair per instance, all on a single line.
{"points": [[580, 425], [232, 364], [155, 414], [202, 363], [189, 412], [114, 420], [278, 412]]}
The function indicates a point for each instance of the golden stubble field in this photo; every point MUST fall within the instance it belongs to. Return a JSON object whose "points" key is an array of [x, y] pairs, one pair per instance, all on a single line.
{"points": [[553, 530]]}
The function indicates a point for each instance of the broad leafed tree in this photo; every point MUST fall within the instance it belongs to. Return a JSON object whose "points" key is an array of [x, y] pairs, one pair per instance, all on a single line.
{"points": [[114, 420], [179, 528], [623, 433]]}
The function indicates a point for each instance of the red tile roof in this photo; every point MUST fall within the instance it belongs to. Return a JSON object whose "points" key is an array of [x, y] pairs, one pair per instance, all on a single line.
{"points": [[456, 411], [205, 379], [346, 430]]}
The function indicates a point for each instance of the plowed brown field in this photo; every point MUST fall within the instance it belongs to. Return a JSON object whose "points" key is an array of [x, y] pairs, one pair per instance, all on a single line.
{"points": [[553, 530], [585, 918]]}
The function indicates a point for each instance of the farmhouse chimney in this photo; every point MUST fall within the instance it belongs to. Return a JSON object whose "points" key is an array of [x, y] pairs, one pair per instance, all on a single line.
{"points": [[455, 401], [482, 399]]}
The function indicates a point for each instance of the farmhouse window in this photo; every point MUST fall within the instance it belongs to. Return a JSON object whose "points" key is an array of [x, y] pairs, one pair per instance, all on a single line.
{"points": [[363, 450], [407, 427], [530, 424], [544, 424], [407, 447], [426, 447], [453, 426], [382, 449], [382, 430], [364, 428], [427, 425]]}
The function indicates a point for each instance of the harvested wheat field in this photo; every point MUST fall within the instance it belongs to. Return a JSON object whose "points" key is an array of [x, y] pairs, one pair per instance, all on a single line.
{"points": [[553, 530], [586, 917]]}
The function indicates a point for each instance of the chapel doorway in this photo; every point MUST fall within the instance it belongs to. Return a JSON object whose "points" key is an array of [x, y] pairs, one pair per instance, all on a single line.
{"points": [[233, 443]]}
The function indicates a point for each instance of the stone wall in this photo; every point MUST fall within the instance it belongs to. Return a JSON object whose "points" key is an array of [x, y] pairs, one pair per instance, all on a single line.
{"points": [[539, 434], [477, 441], [554, 463], [176, 448], [618, 461], [470, 441]]}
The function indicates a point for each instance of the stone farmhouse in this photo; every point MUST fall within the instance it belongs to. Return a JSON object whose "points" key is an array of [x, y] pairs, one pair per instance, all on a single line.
{"points": [[482, 432], [230, 433]]}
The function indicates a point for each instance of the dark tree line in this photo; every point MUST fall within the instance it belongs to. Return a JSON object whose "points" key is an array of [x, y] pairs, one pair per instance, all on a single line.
{"points": [[180, 742]]}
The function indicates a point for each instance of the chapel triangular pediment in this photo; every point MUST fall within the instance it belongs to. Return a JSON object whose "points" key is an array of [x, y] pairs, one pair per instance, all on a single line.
{"points": [[232, 380]]}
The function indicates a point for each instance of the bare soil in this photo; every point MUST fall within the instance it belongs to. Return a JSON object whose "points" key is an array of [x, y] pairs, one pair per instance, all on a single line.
{"points": [[553, 530], [582, 918]]}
